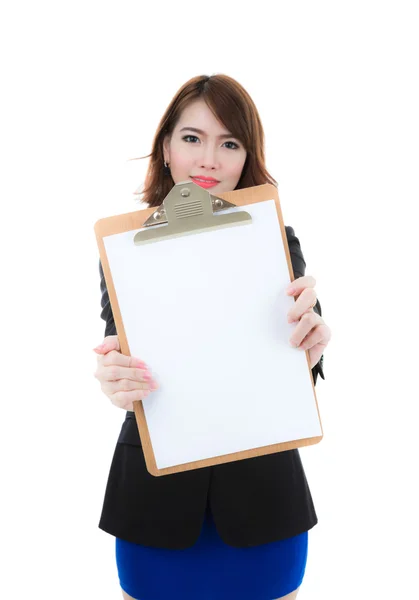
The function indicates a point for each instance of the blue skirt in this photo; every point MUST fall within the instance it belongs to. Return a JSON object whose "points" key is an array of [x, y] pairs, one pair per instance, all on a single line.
{"points": [[211, 569]]}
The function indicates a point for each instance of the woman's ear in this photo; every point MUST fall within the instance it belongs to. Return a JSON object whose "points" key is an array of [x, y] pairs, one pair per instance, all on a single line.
{"points": [[166, 149]]}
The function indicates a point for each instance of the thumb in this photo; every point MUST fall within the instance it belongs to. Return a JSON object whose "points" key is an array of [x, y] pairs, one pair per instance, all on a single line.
{"points": [[111, 342]]}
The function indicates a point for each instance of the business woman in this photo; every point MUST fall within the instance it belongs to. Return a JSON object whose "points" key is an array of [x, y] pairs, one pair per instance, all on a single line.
{"points": [[237, 530]]}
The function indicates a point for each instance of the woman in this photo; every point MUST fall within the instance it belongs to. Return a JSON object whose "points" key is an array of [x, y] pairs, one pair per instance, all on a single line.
{"points": [[240, 529]]}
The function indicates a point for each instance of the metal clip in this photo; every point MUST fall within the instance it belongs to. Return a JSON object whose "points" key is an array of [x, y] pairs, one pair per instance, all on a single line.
{"points": [[188, 208]]}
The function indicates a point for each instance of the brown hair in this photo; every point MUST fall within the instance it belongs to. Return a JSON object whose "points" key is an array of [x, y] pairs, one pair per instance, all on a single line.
{"points": [[234, 108]]}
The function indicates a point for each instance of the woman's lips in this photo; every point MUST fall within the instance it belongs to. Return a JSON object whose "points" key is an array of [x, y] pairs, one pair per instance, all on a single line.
{"points": [[205, 183]]}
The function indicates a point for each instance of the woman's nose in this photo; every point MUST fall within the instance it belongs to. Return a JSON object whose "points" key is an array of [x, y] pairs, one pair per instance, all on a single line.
{"points": [[209, 158]]}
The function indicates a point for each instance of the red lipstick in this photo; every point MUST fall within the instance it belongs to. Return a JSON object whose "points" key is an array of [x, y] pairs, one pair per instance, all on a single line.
{"points": [[205, 182]]}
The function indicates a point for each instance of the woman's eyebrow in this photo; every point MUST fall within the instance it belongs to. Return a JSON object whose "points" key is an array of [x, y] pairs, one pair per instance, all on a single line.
{"points": [[195, 130]]}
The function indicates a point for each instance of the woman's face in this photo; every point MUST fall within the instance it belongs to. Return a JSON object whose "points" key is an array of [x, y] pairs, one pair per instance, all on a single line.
{"points": [[202, 150]]}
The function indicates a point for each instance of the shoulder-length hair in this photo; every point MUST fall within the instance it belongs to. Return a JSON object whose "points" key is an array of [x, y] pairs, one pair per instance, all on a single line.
{"points": [[234, 108]]}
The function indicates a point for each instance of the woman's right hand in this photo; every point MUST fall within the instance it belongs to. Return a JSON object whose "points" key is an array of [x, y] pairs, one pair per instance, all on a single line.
{"points": [[123, 379]]}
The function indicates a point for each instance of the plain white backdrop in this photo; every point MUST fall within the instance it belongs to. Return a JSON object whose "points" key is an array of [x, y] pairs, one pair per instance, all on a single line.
{"points": [[84, 85]]}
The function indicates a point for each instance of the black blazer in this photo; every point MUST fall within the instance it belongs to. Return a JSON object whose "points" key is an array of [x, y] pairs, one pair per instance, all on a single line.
{"points": [[253, 501]]}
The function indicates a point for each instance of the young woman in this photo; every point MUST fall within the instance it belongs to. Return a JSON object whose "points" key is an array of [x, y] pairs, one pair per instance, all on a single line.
{"points": [[237, 530]]}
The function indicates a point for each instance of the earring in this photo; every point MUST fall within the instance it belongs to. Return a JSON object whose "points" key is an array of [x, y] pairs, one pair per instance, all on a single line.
{"points": [[166, 168]]}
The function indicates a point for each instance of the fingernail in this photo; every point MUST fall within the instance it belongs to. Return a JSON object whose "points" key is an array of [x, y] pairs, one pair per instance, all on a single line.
{"points": [[147, 376], [290, 290], [290, 320], [99, 347], [154, 385], [140, 363]]}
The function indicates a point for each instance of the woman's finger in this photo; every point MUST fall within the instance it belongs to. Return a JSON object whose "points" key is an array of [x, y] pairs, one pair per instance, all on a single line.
{"points": [[113, 367], [314, 337], [308, 321], [119, 360], [116, 358], [315, 354], [115, 372], [304, 303], [126, 385], [125, 399], [111, 342], [299, 284]]}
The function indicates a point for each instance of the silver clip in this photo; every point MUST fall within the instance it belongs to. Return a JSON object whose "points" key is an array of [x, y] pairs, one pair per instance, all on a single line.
{"points": [[159, 216], [188, 209]]}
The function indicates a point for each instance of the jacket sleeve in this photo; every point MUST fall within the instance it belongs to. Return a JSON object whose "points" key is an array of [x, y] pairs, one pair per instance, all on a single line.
{"points": [[106, 313], [299, 267]]}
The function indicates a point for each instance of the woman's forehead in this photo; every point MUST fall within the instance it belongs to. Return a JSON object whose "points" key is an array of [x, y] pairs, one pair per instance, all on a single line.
{"points": [[198, 115]]}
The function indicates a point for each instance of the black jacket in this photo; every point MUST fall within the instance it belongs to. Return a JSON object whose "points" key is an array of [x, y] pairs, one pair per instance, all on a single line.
{"points": [[253, 501]]}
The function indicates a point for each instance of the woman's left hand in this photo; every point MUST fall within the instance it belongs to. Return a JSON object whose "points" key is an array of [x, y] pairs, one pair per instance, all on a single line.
{"points": [[311, 332]]}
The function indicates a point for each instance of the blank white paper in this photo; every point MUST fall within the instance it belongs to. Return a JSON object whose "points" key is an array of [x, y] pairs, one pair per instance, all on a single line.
{"points": [[208, 314]]}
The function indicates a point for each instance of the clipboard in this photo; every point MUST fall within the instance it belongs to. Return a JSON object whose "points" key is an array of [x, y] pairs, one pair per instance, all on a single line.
{"points": [[216, 349]]}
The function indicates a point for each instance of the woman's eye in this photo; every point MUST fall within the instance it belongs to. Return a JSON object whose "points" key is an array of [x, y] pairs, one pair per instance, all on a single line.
{"points": [[234, 144], [187, 138]]}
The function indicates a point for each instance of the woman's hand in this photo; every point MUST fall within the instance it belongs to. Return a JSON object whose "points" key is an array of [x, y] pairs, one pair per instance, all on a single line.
{"points": [[123, 379], [311, 332]]}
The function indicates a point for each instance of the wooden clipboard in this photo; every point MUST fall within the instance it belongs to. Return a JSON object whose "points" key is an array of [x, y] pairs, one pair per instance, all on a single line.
{"points": [[189, 205]]}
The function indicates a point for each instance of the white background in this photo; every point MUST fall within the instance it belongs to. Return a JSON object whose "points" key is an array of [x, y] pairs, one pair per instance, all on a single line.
{"points": [[84, 85]]}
